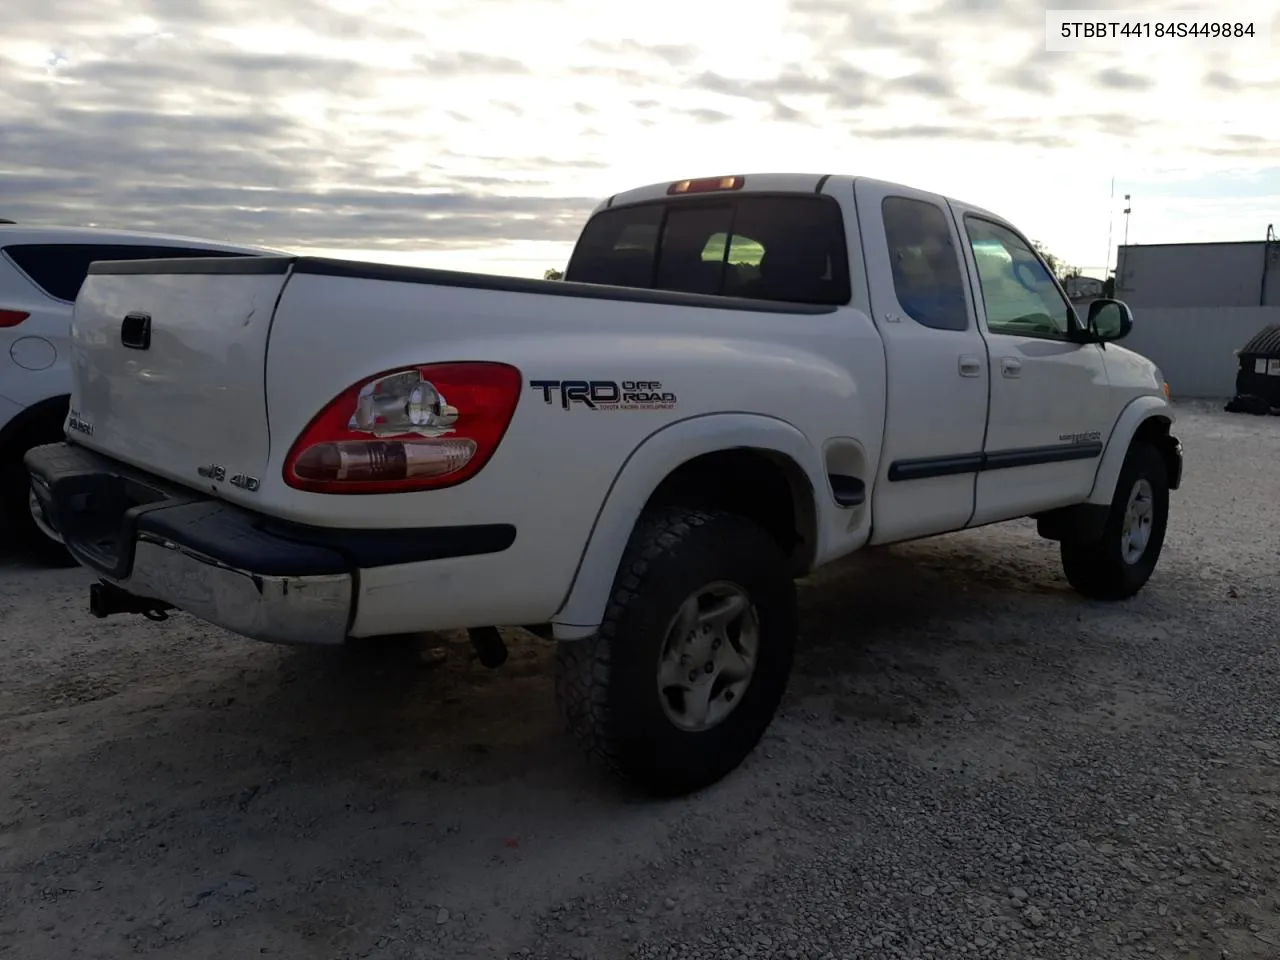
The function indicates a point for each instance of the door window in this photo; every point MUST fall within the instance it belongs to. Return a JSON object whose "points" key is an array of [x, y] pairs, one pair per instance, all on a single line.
{"points": [[926, 265], [1020, 295]]}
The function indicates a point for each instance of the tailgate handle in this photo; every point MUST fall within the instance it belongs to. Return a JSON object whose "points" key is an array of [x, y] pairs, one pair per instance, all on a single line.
{"points": [[135, 331]]}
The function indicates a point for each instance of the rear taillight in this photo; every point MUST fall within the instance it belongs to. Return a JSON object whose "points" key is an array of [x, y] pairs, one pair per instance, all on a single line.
{"points": [[11, 318], [419, 428]]}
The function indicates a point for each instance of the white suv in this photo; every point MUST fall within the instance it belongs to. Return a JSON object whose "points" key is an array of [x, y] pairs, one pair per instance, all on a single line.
{"points": [[41, 269]]}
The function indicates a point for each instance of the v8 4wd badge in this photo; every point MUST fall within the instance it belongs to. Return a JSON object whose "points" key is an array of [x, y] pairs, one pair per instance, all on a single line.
{"points": [[218, 473]]}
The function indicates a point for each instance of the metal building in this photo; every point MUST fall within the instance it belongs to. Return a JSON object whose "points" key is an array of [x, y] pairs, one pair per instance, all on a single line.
{"points": [[1195, 303], [1182, 275]]}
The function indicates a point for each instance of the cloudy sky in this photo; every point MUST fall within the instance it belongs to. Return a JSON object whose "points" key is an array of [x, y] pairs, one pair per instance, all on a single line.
{"points": [[478, 134]]}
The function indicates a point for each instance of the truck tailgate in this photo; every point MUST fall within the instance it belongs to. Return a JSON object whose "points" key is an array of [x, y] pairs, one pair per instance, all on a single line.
{"points": [[169, 361]]}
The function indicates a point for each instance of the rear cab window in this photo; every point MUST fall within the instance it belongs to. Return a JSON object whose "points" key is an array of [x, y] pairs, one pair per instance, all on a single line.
{"points": [[59, 269], [788, 248]]}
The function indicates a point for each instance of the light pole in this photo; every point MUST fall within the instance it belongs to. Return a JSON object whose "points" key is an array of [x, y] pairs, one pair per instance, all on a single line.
{"points": [[1120, 279], [1111, 222]]}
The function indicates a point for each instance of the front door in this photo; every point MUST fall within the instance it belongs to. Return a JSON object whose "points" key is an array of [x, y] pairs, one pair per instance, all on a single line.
{"points": [[936, 361], [1050, 410]]}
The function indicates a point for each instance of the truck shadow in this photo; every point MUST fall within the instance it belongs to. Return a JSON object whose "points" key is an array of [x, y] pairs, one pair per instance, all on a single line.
{"points": [[906, 622], [898, 625], [410, 766], [10, 558]]}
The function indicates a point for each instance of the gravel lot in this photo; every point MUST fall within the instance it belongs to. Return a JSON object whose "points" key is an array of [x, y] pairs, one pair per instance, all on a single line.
{"points": [[971, 762]]}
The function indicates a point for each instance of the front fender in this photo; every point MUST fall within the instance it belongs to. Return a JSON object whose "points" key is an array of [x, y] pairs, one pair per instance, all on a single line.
{"points": [[1139, 411], [647, 466]]}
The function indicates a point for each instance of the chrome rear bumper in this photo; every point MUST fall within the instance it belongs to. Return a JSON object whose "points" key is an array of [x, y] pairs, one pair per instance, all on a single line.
{"points": [[163, 547], [157, 545], [277, 609]]}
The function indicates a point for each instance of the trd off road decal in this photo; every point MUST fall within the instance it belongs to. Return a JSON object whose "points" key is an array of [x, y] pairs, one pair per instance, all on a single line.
{"points": [[606, 394]]}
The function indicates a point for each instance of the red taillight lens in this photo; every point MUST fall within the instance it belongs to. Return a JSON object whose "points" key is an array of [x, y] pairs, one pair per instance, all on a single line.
{"points": [[11, 318], [419, 428]]}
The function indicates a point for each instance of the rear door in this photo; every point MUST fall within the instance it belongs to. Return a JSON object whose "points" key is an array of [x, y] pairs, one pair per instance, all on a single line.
{"points": [[169, 366], [936, 360]]}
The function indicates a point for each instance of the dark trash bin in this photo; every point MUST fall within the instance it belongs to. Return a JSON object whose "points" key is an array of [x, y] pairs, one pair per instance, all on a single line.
{"points": [[1258, 378]]}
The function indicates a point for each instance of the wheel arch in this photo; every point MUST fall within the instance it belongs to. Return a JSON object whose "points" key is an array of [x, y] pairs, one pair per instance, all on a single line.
{"points": [[1145, 418], [49, 413], [1158, 431], [754, 465]]}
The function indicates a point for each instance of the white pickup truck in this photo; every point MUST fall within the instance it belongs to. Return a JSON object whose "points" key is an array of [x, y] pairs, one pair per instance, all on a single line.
{"points": [[739, 380]]}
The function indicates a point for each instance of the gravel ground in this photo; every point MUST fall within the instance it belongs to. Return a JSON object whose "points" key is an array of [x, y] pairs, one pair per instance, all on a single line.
{"points": [[971, 762]]}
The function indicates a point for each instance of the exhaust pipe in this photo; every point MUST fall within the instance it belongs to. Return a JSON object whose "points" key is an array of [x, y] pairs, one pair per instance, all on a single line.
{"points": [[106, 599]]}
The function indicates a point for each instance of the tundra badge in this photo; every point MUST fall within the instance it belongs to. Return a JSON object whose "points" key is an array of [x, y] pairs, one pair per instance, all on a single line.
{"points": [[79, 424]]}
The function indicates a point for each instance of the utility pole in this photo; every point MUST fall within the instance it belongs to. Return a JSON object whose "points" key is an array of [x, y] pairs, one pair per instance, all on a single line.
{"points": [[1270, 256], [1121, 266], [1111, 222]]}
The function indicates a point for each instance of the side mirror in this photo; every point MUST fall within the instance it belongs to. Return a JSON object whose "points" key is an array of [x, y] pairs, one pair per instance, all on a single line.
{"points": [[1109, 320]]}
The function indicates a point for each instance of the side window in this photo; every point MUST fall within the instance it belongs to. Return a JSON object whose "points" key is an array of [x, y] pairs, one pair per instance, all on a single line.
{"points": [[59, 269], [926, 265], [1017, 289]]}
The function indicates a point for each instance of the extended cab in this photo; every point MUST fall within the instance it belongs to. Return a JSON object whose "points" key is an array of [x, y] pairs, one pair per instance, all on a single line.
{"points": [[739, 380]]}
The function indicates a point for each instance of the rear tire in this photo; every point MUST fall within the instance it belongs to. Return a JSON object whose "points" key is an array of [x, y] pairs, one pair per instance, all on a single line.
{"points": [[1119, 565], [688, 667], [17, 511]]}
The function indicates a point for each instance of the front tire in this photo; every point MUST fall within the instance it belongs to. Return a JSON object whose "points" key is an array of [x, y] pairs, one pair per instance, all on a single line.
{"points": [[686, 671], [1119, 565]]}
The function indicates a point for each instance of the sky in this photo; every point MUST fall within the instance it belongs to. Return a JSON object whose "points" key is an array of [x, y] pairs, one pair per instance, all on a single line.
{"points": [[479, 134]]}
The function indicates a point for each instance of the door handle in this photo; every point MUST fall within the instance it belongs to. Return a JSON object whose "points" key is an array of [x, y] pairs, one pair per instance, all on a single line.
{"points": [[1010, 367], [970, 366]]}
